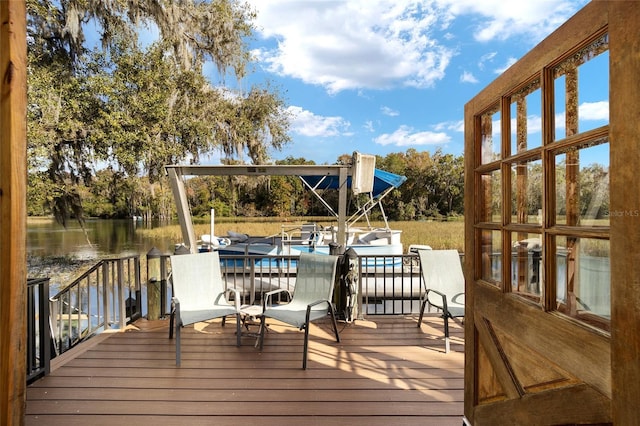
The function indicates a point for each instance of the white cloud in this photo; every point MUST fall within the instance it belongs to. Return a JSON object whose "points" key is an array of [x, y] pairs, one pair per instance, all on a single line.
{"points": [[534, 124], [468, 77], [456, 126], [362, 44], [504, 19], [488, 57], [368, 125], [306, 123], [354, 44], [405, 136], [388, 111], [587, 111], [594, 110]]}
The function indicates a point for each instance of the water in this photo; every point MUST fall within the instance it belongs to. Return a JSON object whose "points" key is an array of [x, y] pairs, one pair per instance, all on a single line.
{"points": [[107, 238]]}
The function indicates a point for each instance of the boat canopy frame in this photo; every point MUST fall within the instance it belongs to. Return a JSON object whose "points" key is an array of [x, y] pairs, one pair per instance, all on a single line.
{"points": [[315, 177], [177, 172], [383, 184]]}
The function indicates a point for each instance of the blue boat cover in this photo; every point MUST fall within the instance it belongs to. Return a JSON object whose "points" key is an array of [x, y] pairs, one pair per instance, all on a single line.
{"points": [[381, 181]]}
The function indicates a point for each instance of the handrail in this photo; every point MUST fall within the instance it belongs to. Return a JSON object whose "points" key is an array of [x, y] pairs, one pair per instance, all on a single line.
{"points": [[108, 295], [38, 330], [300, 234]]}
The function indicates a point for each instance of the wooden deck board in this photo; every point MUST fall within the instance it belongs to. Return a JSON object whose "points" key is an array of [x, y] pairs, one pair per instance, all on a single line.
{"points": [[254, 394], [118, 419], [384, 371]]}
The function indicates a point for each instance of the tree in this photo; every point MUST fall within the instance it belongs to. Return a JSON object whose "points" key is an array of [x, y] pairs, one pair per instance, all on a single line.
{"points": [[301, 198], [59, 107], [134, 109], [420, 186], [449, 182], [37, 190], [434, 185], [195, 30], [254, 123]]}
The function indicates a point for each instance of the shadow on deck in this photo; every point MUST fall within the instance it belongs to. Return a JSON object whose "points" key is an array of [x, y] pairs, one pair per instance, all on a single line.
{"points": [[384, 371]]}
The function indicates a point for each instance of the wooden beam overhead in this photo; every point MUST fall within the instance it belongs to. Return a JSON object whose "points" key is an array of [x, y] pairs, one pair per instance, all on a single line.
{"points": [[261, 170]]}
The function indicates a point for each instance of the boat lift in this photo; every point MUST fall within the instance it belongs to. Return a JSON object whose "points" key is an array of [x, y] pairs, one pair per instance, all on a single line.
{"points": [[359, 175]]}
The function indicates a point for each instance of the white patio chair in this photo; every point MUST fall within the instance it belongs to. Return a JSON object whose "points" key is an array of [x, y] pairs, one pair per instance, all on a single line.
{"points": [[311, 299], [444, 285], [199, 294]]}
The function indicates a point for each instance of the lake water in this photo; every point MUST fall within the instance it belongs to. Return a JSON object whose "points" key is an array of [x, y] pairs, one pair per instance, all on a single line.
{"points": [[107, 238]]}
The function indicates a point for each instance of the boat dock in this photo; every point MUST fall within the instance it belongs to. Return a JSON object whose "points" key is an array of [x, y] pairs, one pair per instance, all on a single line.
{"points": [[384, 371]]}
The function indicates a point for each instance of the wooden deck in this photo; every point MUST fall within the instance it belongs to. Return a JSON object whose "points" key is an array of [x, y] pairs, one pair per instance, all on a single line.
{"points": [[385, 371]]}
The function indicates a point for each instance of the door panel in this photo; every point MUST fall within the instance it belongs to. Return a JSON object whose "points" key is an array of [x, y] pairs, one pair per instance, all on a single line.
{"points": [[538, 241]]}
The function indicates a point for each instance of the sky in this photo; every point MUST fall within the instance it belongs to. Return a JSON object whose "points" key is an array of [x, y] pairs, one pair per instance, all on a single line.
{"points": [[384, 76]]}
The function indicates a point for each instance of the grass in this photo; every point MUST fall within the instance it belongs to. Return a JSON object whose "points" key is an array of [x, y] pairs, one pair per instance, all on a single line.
{"points": [[438, 235]]}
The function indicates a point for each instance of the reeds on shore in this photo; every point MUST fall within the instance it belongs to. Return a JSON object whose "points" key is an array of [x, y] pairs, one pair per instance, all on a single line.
{"points": [[438, 235]]}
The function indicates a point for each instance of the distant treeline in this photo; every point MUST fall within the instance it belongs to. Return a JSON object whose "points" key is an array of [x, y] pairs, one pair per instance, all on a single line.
{"points": [[433, 189]]}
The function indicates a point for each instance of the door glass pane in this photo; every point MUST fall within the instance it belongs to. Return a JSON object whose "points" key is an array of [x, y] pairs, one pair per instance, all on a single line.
{"points": [[526, 118], [581, 88], [593, 93], [559, 88], [526, 264], [582, 186], [491, 133], [491, 197], [584, 279], [491, 256], [526, 192]]}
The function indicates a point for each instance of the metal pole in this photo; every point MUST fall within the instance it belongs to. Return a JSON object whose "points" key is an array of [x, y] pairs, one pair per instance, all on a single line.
{"points": [[342, 210]]}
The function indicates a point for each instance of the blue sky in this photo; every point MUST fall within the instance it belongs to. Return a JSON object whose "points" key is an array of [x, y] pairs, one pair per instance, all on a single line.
{"points": [[380, 76]]}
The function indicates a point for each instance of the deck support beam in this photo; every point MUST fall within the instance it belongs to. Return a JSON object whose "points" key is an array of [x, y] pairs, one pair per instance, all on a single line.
{"points": [[13, 209]]}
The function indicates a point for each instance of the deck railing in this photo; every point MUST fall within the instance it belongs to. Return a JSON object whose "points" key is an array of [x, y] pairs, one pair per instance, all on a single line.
{"points": [[107, 295], [110, 295], [38, 331], [390, 285], [387, 285]]}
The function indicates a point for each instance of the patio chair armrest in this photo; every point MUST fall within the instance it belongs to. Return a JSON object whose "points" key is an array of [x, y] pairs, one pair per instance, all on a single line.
{"points": [[175, 301], [311, 305], [224, 294], [170, 281], [268, 295], [175, 308], [317, 302], [444, 299], [236, 297]]}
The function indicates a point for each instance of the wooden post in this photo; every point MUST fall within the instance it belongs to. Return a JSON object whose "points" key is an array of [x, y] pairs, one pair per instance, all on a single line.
{"points": [[624, 98], [13, 179]]}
